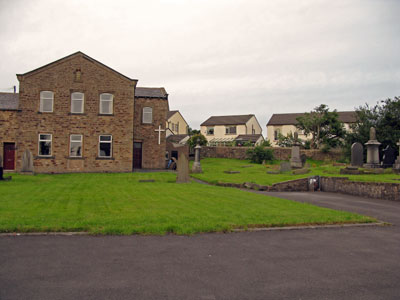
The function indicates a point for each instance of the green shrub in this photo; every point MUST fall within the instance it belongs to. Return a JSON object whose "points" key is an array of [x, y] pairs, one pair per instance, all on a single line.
{"points": [[259, 154]]}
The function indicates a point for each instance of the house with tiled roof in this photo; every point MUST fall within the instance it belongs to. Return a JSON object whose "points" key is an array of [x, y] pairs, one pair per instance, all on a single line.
{"points": [[221, 130], [286, 123], [176, 123]]}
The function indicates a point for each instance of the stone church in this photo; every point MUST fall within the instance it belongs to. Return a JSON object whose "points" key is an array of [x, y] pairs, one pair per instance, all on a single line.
{"points": [[78, 115]]}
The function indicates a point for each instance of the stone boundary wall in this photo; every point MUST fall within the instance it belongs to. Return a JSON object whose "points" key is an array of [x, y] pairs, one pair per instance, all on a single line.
{"points": [[379, 190], [279, 153], [297, 185]]}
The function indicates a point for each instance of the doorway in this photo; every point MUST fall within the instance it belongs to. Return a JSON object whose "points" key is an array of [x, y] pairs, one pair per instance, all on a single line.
{"points": [[9, 156], [137, 155]]}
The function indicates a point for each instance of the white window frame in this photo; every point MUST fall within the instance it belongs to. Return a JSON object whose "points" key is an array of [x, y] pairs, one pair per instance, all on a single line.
{"points": [[208, 131], [106, 100], [82, 99], [110, 142], [149, 112], [71, 141], [45, 140], [228, 129], [43, 98]]}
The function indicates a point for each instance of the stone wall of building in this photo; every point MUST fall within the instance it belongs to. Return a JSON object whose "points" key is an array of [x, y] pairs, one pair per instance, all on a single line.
{"points": [[153, 153], [8, 128], [61, 79], [380, 190], [279, 153]]}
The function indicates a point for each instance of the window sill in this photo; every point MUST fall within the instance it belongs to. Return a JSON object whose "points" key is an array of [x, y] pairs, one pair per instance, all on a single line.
{"points": [[75, 157], [106, 115], [105, 158], [146, 124], [44, 157], [44, 112], [79, 114]]}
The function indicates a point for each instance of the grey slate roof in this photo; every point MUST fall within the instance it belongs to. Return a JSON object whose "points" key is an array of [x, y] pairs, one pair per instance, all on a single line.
{"points": [[290, 119], [248, 137], [171, 113], [147, 92], [9, 101], [226, 120], [176, 138]]}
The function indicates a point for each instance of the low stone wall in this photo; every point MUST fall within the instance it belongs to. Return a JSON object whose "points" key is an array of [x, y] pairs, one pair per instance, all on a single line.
{"points": [[380, 190], [297, 185], [279, 153]]}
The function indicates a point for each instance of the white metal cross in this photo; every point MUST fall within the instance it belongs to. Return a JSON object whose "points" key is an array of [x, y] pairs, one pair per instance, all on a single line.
{"points": [[159, 133]]}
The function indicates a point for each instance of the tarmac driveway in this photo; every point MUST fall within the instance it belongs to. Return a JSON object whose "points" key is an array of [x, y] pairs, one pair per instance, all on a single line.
{"points": [[344, 263]]}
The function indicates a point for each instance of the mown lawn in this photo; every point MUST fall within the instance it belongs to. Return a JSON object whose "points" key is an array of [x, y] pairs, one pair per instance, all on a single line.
{"points": [[213, 172], [119, 204]]}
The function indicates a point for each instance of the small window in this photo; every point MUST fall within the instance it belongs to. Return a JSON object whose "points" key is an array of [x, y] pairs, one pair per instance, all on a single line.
{"points": [[75, 145], [177, 127], [230, 130], [46, 101], [105, 145], [148, 116], [106, 103], [210, 130], [77, 100], [276, 134], [45, 144]]}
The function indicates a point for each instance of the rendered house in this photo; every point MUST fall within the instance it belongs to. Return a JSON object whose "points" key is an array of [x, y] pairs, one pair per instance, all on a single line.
{"points": [[220, 130], [286, 123], [176, 124], [78, 115]]}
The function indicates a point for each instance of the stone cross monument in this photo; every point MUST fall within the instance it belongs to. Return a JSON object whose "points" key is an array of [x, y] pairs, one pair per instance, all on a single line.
{"points": [[295, 160], [196, 165], [372, 150]]}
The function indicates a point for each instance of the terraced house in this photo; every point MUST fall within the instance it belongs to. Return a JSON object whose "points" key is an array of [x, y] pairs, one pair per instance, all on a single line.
{"points": [[78, 115]]}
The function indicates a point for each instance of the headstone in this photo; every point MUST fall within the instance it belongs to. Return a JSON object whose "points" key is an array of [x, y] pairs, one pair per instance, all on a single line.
{"points": [[231, 172], [396, 166], [295, 160], [357, 155], [372, 150], [182, 169], [196, 168], [27, 162], [389, 157], [300, 171], [285, 167]]}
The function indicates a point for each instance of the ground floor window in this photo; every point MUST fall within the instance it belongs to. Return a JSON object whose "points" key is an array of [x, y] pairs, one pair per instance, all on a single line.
{"points": [[105, 145], [276, 134], [45, 144], [230, 130], [75, 145]]}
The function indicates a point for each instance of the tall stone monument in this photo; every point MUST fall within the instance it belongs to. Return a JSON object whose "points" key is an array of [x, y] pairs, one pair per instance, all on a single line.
{"points": [[357, 155], [372, 150], [295, 160], [182, 168], [27, 162], [196, 165], [396, 166]]}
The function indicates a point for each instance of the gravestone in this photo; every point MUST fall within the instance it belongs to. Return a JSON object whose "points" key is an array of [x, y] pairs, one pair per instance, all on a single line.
{"points": [[182, 169], [285, 166], [396, 166], [389, 157], [27, 162], [357, 155], [196, 168], [295, 160], [372, 150]]}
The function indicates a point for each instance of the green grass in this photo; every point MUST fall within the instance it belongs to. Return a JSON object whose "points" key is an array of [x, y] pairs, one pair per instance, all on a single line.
{"points": [[119, 204], [214, 168]]}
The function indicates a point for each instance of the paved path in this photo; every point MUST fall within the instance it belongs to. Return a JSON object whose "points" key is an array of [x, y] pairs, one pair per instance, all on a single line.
{"points": [[351, 263]]}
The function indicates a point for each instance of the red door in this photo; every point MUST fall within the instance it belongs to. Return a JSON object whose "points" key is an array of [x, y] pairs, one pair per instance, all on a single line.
{"points": [[137, 155], [9, 156]]}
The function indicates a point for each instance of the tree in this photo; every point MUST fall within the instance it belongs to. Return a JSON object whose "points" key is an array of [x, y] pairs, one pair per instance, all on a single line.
{"points": [[259, 154], [193, 131], [324, 127], [197, 139]]}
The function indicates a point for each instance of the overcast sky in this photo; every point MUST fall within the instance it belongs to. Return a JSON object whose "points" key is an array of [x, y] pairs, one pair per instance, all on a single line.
{"points": [[219, 57]]}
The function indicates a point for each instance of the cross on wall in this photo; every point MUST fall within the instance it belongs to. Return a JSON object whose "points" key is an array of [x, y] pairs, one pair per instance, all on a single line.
{"points": [[159, 130]]}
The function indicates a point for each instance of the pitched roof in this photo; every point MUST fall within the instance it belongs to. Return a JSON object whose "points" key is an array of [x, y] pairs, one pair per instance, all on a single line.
{"points": [[227, 120], [171, 113], [177, 138], [290, 119], [248, 137], [79, 53], [147, 92], [9, 101]]}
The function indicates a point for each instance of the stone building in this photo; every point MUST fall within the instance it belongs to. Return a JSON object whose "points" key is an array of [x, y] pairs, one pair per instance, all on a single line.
{"points": [[78, 115]]}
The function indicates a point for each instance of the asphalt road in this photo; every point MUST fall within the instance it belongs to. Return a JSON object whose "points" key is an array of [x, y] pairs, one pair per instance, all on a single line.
{"points": [[346, 263]]}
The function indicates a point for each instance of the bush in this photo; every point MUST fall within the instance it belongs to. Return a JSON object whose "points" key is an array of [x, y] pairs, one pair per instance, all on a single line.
{"points": [[259, 154], [197, 139]]}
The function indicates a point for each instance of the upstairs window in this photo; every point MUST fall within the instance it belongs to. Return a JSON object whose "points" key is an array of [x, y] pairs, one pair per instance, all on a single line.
{"points": [[148, 116], [46, 101], [77, 100], [106, 104], [45, 144], [75, 145], [230, 130], [210, 130], [105, 146], [276, 134]]}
